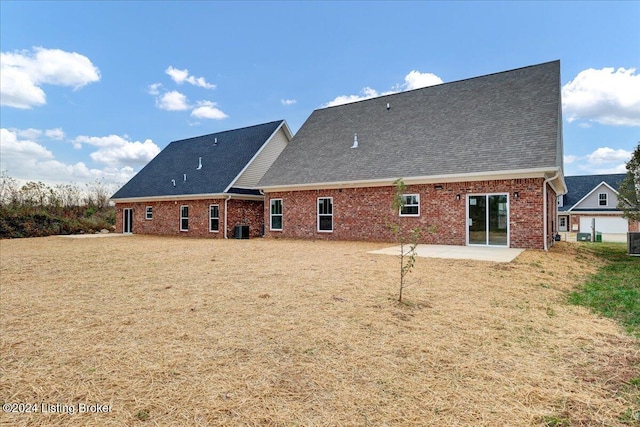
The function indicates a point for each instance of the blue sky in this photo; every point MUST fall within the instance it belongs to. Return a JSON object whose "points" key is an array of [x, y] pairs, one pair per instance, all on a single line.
{"points": [[93, 90]]}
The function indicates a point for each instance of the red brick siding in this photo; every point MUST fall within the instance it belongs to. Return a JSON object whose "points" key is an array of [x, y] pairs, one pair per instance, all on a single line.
{"points": [[166, 217], [363, 213]]}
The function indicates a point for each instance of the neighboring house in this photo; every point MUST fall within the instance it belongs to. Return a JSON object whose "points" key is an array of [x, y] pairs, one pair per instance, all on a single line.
{"points": [[592, 197], [203, 186], [482, 160]]}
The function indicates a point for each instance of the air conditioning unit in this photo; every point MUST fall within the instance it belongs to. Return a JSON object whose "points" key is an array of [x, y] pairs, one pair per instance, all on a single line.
{"points": [[583, 237], [633, 243]]}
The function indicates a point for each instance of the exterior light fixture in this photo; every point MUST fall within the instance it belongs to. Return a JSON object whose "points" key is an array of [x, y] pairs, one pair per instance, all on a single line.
{"points": [[516, 195], [457, 197]]}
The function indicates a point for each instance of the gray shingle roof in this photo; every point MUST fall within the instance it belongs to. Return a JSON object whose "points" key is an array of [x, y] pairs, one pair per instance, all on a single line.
{"points": [[221, 163], [581, 185], [504, 121]]}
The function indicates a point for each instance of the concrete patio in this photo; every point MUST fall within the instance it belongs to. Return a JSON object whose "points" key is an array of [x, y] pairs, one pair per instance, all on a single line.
{"points": [[477, 253]]}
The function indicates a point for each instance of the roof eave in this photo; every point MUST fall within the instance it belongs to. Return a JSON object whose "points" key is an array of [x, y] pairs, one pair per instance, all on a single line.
{"points": [[180, 197], [428, 179]]}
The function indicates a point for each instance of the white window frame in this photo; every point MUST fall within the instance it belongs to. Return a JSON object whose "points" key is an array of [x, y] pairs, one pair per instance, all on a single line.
{"points": [[561, 220], [211, 218], [405, 196], [600, 199], [148, 213], [324, 214], [273, 215], [184, 217]]}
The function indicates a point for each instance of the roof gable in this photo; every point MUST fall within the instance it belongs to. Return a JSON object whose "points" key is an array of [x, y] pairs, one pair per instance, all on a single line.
{"points": [[580, 187], [499, 122], [176, 170]]}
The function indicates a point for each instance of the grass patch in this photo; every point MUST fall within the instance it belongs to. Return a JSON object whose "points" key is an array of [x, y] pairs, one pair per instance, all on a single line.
{"points": [[614, 291]]}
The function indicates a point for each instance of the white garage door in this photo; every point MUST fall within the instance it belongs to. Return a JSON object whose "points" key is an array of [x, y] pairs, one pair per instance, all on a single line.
{"points": [[604, 224]]}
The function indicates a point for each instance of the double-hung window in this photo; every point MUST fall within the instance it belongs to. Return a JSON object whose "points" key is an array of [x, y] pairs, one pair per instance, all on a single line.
{"points": [[411, 205], [214, 218], [184, 218], [325, 214], [275, 212], [149, 212], [602, 199]]}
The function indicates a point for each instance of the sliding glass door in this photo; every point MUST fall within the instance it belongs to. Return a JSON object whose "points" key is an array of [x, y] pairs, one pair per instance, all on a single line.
{"points": [[488, 220]]}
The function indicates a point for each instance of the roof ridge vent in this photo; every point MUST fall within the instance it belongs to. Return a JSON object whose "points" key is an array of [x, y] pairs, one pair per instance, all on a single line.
{"points": [[355, 140]]}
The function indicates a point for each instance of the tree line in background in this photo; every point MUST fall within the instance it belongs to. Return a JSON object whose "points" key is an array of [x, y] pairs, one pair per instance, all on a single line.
{"points": [[36, 209]]}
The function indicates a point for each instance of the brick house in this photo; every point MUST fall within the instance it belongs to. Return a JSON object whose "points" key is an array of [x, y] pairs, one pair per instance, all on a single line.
{"points": [[593, 197], [481, 157], [203, 186]]}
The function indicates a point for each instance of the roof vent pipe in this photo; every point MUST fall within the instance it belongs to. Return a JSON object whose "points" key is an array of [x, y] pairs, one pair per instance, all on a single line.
{"points": [[184, 177], [173, 181], [215, 141], [388, 106], [199, 163], [355, 141]]}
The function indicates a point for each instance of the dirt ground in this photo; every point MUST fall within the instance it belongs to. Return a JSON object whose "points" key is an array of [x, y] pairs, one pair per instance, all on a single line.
{"points": [[175, 332]]}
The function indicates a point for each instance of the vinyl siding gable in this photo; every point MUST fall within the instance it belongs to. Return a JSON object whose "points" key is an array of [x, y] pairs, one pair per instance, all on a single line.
{"points": [[591, 201], [263, 161]]}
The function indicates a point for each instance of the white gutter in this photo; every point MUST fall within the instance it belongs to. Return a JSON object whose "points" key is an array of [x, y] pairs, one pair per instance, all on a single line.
{"points": [[225, 216], [544, 202]]}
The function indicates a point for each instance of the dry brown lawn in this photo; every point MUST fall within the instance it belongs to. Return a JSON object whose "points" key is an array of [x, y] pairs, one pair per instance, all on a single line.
{"points": [[177, 332]]}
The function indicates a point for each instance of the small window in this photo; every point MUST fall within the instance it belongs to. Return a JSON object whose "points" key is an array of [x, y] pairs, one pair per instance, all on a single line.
{"points": [[602, 199], [214, 218], [325, 214], [184, 218], [276, 215], [411, 205], [149, 212], [562, 221]]}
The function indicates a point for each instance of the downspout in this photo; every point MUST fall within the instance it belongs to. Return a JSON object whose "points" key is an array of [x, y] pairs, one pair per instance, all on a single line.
{"points": [[225, 215], [544, 202]]}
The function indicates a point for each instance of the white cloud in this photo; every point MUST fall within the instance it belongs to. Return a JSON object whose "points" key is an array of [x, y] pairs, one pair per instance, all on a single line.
{"points": [[27, 160], [13, 147], [288, 101], [606, 96], [31, 134], [605, 155], [181, 76], [115, 151], [154, 89], [24, 72], [417, 80], [208, 110], [173, 101], [57, 134], [602, 160], [413, 80]]}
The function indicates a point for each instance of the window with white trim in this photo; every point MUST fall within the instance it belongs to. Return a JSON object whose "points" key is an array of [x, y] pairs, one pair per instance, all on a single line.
{"points": [[184, 218], [411, 205], [214, 218], [602, 199], [149, 212], [275, 212], [325, 214]]}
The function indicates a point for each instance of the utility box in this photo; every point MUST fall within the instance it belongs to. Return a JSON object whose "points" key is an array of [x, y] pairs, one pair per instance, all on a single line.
{"points": [[584, 237], [598, 237], [633, 243], [241, 232]]}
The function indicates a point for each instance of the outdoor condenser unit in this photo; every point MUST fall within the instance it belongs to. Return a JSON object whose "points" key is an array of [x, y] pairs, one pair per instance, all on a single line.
{"points": [[633, 243]]}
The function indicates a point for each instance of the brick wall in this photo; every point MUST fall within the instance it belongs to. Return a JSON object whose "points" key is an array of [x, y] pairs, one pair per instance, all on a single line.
{"points": [[166, 217], [363, 213]]}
